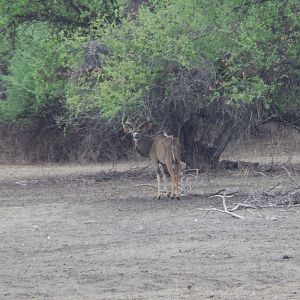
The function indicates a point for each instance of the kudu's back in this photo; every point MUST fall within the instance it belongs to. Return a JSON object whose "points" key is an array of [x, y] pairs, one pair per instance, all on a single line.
{"points": [[166, 150]]}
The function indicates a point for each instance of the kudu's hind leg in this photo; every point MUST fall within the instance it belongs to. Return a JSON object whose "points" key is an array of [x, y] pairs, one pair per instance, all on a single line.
{"points": [[171, 172], [158, 181], [173, 185], [164, 173], [177, 186], [165, 184], [175, 178]]}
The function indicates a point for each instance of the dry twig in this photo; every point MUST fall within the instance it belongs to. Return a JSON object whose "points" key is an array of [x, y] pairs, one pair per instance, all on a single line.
{"points": [[223, 196]]}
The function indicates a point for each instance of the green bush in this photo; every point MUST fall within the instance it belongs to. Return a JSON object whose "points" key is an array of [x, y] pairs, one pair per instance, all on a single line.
{"points": [[245, 41], [33, 79]]}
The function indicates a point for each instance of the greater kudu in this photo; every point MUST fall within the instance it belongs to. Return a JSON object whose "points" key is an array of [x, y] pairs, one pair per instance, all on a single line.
{"points": [[162, 150]]}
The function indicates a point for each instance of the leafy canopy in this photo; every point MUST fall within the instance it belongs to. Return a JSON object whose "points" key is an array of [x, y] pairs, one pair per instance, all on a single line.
{"points": [[247, 42]]}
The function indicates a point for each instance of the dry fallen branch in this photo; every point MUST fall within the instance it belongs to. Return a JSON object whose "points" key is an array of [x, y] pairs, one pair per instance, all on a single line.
{"points": [[188, 181], [225, 206], [147, 185], [274, 187], [222, 211], [226, 210], [275, 196], [253, 213], [242, 205], [289, 174], [281, 194]]}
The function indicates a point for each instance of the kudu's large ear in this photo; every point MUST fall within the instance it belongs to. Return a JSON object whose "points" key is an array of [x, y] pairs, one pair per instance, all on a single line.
{"points": [[127, 127], [146, 126]]}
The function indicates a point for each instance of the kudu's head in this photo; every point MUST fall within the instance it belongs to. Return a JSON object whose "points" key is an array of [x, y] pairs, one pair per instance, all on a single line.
{"points": [[137, 131]]}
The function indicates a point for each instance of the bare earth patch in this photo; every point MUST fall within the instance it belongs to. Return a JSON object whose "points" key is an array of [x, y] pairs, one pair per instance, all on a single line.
{"points": [[74, 232]]}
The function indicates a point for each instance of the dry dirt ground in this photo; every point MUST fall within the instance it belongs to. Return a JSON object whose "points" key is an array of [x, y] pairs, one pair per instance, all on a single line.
{"points": [[74, 232]]}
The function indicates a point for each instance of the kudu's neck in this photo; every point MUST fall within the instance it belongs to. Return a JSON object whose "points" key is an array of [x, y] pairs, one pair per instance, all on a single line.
{"points": [[144, 145]]}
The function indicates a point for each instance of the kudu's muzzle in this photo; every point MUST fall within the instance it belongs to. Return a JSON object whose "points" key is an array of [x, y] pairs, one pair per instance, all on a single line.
{"points": [[136, 136]]}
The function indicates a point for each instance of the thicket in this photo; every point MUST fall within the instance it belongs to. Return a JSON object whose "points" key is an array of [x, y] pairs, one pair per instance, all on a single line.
{"points": [[204, 70]]}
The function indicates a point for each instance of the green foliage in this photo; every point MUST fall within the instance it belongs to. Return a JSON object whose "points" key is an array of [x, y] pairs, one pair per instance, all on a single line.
{"points": [[247, 43], [139, 50], [33, 73], [35, 53], [254, 47], [61, 13]]}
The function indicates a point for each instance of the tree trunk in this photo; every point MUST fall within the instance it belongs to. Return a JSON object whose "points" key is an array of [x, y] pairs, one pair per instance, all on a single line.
{"points": [[195, 153], [198, 154]]}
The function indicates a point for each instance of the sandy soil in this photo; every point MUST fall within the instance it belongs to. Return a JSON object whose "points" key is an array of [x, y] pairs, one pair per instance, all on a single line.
{"points": [[68, 232]]}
